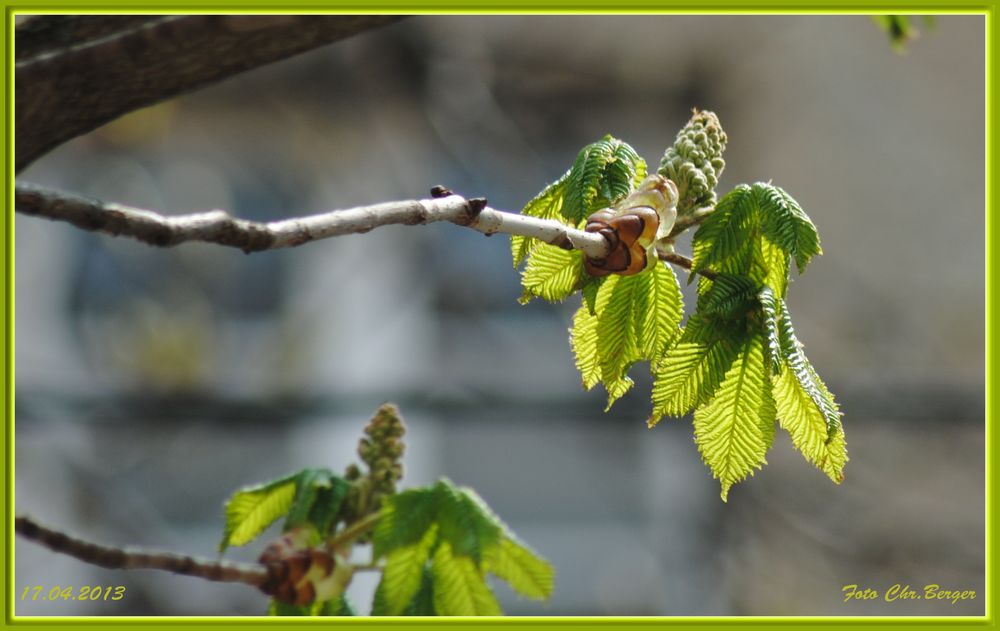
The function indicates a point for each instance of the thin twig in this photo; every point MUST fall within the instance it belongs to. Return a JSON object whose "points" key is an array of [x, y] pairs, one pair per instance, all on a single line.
{"points": [[682, 261], [355, 530], [369, 567], [134, 559], [219, 227]]}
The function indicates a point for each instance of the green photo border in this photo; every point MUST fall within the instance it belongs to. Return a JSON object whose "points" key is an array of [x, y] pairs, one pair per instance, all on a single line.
{"points": [[987, 9]]}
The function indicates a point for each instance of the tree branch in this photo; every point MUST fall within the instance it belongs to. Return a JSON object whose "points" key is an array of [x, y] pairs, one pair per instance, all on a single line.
{"points": [[42, 34], [219, 227], [75, 76], [355, 530], [129, 559]]}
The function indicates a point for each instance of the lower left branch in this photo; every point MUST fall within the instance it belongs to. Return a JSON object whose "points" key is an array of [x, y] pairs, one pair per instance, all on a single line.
{"points": [[115, 558]]}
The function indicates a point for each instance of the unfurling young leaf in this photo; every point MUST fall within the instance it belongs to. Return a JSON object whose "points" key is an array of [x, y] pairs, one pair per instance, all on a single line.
{"points": [[691, 371], [770, 309], [521, 568], [799, 415], [637, 318], [583, 339], [604, 172], [786, 224], [318, 496], [545, 205], [460, 587], [251, 510], [805, 374], [752, 232], [736, 428], [552, 273], [403, 574], [438, 543], [465, 522]]}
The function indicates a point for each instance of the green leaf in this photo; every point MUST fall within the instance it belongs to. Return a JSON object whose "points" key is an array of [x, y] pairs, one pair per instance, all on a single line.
{"points": [[771, 309], [770, 266], [753, 232], [251, 510], [591, 285], [403, 574], [461, 518], [552, 273], [603, 173], [805, 374], [617, 337], [659, 320], [318, 496], [638, 317], [460, 587], [802, 419], [545, 205], [465, 521], [423, 603], [692, 369], [729, 297], [526, 572], [736, 428], [583, 340], [727, 231], [405, 518], [786, 224]]}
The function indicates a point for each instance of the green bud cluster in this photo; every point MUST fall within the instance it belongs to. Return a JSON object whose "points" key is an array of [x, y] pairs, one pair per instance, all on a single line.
{"points": [[694, 162], [381, 450]]}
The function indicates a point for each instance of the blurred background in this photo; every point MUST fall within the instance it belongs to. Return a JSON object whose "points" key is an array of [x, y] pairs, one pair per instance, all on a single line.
{"points": [[153, 383]]}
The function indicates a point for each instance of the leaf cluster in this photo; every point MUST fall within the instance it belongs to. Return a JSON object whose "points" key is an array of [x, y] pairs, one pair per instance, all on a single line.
{"points": [[603, 173], [433, 545], [310, 499], [736, 362], [438, 544]]}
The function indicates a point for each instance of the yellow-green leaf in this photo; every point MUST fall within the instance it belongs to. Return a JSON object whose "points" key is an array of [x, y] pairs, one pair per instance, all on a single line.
{"points": [[688, 375], [658, 322], [772, 263], [617, 339], [460, 587], [250, 511], [526, 572], [799, 415], [552, 273], [545, 205], [583, 339], [736, 428], [403, 573]]}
